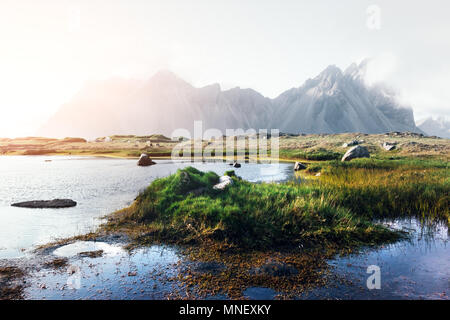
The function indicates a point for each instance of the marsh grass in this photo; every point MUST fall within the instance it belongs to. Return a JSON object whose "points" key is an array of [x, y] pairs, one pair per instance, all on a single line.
{"points": [[388, 189]]}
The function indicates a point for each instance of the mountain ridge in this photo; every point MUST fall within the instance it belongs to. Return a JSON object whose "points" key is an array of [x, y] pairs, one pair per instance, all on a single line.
{"points": [[335, 101]]}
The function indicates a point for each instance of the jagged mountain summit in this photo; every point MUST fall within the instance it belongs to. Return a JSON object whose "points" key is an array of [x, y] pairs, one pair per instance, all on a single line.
{"points": [[333, 102], [337, 101], [439, 127]]}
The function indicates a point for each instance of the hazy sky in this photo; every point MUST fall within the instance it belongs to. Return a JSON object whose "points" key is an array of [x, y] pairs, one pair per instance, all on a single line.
{"points": [[49, 48]]}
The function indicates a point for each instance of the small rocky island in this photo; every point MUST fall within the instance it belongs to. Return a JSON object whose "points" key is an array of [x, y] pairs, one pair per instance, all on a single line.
{"points": [[41, 204]]}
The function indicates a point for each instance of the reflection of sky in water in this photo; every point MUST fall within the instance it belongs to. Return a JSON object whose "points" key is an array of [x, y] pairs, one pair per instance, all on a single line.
{"points": [[73, 249], [418, 268], [143, 274], [99, 185]]}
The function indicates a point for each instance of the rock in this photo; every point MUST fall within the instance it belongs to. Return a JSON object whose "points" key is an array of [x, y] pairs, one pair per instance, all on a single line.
{"points": [[388, 146], [299, 166], [356, 152], [224, 181], [351, 143], [236, 165], [56, 203], [145, 160]]}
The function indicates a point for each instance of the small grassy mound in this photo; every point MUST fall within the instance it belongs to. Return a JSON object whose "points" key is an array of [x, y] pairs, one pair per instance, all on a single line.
{"points": [[185, 208]]}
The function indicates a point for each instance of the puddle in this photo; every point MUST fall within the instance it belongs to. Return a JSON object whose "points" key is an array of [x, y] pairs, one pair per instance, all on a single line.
{"points": [[74, 249]]}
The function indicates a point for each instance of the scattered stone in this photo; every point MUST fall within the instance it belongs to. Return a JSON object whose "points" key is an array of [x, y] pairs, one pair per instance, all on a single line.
{"points": [[56, 203], [224, 181], [144, 160], [299, 166], [356, 152]]}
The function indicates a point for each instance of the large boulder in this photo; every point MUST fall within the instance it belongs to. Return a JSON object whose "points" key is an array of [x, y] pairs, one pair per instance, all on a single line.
{"points": [[356, 152], [144, 160], [54, 204], [388, 146], [224, 181], [299, 166]]}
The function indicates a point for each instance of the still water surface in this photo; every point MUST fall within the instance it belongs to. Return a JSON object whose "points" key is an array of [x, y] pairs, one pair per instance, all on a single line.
{"points": [[99, 185]]}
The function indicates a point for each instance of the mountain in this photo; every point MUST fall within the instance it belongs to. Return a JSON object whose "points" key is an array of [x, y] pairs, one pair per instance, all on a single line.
{"points": [[435, 127], [337, 101], [333, 102]]}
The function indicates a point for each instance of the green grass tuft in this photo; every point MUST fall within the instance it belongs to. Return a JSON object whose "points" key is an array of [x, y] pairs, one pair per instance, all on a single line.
{"points": [[185, 208]]}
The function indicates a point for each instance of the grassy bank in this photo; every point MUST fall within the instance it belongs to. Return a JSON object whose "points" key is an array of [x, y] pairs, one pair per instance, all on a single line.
{"points": [[184, 208], [336, 209]]}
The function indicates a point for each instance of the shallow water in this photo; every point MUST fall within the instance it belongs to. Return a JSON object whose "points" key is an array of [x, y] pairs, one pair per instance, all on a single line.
{"points": [[417, 268], [143, 274], [99, 185]]}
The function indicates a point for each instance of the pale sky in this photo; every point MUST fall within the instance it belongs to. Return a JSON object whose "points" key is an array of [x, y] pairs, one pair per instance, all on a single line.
{"points": [[50, 48]]}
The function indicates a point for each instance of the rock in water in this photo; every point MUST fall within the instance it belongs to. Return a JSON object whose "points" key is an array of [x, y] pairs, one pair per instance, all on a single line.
{"points": [[224, 181], [299, 166], [144, 160], [56, 203], [356, 152], [388, 146]]}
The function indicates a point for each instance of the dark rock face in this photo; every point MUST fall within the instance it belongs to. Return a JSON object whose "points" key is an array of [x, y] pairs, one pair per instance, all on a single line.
{"points": [[356, 152], [299, 166], [56, 203], [145, 160]]}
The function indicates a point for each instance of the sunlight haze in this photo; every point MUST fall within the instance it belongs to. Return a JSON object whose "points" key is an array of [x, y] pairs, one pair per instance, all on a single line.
{"points": [[48, 51]]}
